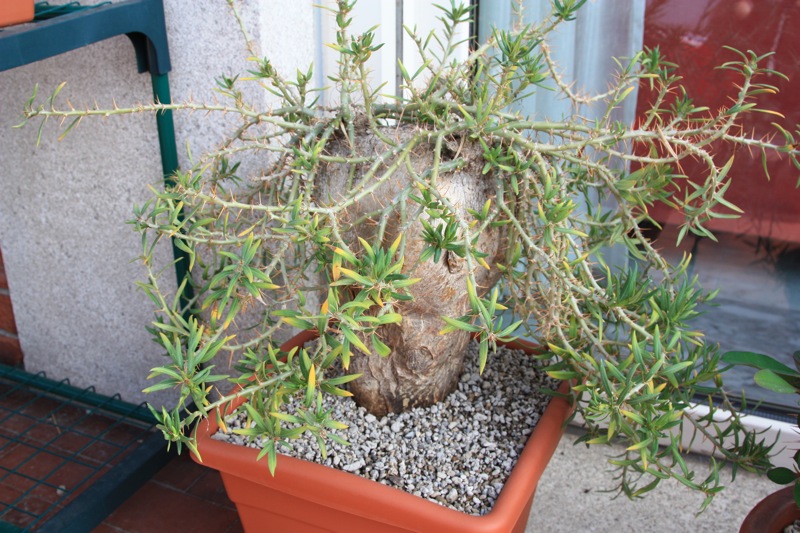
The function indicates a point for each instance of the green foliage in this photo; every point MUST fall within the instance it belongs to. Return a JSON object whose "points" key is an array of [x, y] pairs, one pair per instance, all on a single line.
{"points": [[268, 256], [775, 376]]}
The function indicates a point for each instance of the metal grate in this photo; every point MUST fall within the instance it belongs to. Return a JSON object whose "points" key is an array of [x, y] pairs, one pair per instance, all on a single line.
{"points": [[57, 441]]}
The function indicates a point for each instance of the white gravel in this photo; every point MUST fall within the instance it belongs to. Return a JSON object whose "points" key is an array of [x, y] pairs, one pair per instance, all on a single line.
{"points": [[457, 453]]}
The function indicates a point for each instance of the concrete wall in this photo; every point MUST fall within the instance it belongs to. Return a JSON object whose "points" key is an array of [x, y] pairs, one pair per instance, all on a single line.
{"points": [[63, 206]]}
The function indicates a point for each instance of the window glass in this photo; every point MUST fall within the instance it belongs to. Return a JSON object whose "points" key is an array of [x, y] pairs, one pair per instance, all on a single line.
{"points": [[756, 261]]}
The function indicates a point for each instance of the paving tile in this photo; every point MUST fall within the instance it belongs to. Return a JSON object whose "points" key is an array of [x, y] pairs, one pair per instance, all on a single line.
{"points": [[123, 434], [100, 452], [40, 407], [158, 508], [67, 416], [15, 455], [236, 527], [180, 473], [12, 397], [94, 426], [70, 476], [25, 510], [47, 493], [70, 443], [209, 487], [40, 465], [41, 433], [105, 528], [14, 425], [184, 496], [18, 518], [9, 493]]}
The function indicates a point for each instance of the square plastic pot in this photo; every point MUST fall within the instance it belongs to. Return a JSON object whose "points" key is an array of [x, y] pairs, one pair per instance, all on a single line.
{"points": [[306, 497]]}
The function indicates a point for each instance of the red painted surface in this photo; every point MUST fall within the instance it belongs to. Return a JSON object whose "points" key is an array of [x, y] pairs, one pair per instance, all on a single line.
{"points": [[692, 33], [15, 12]]}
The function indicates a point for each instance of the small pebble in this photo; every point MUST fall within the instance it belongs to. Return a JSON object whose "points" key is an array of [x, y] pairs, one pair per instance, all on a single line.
{"points": [[352, 467]]}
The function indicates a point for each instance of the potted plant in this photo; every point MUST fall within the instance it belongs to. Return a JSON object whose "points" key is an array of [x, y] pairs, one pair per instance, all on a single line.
{"points": [[780, 510], [396, 232]]}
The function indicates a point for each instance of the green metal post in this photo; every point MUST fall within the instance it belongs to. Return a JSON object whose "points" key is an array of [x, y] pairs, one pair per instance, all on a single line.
{"points": [[169, 166]]}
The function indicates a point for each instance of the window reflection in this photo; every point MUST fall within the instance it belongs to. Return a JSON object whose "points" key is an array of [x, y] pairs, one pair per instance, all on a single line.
{"points": [[756, 261]]}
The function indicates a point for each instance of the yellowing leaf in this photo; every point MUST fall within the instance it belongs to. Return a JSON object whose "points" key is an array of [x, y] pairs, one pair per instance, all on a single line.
{"points": [[638, 445]]}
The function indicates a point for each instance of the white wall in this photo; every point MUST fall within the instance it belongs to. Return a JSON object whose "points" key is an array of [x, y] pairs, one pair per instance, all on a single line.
{"points": [[64, 205]]}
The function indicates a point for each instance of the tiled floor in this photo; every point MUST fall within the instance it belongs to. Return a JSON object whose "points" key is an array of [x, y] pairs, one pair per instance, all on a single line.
{"points": [[52, 450], [55, 444], [183, 496]]}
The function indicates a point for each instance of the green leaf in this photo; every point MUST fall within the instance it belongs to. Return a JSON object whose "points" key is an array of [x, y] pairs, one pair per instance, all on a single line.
{"points": [[781, 475], [159, 386], [796, 493], [162, 370], [353, 338], [367, 248], [770, 380], [339, 380], [454, 324], [390, 318], [483, 354], [356, 277], [756, 360], [346, 255], [403, 71], [272, 458], [633, 416], [563, 375], [639, 445], [380, 347], [311, 385], [298, 323], [286, 417]]}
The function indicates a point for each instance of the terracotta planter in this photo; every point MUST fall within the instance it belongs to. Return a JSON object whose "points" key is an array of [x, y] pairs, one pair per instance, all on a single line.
{"points": [[308, 497], [773, 513], [16, 12]]}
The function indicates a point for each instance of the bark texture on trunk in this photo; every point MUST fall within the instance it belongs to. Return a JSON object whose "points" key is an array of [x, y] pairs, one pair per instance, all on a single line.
{"points": [[424, 367]]}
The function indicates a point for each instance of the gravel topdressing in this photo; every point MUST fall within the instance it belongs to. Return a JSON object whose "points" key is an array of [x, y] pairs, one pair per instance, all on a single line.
{"points": [[458, 453]]}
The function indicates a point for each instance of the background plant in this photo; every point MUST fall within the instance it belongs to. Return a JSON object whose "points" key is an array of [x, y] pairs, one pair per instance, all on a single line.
{"points": [[268, 254], [773, 375]]}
